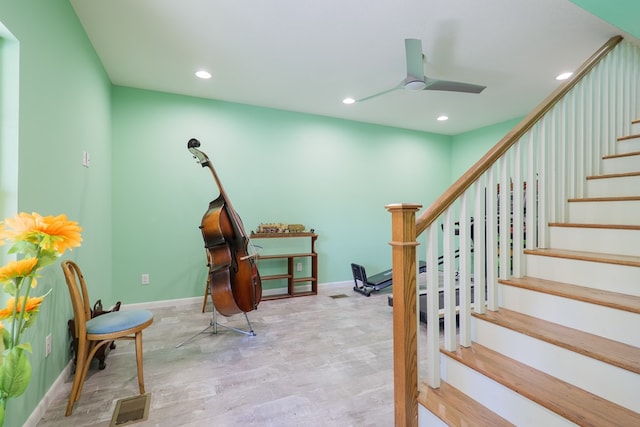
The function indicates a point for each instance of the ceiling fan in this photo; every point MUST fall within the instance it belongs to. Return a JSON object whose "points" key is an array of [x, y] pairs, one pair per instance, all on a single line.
{"points": [[416, 80]]}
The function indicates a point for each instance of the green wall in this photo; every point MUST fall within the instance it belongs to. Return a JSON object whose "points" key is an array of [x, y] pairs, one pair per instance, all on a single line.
{"points": [[64, 108], [467, 148], [332, 175], [621, 13]]}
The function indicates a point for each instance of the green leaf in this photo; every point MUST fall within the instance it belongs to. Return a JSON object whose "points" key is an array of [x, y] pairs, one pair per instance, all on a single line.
{"points": [[10, 287], [6, 339], [47, 257], [23, 247], [15, 373], [29, 319], [25, 346], [2, 414]]}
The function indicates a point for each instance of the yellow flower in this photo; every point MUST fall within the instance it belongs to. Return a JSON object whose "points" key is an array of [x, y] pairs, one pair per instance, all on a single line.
{"points": [[15, 269], [32, 305], [51, 233]]}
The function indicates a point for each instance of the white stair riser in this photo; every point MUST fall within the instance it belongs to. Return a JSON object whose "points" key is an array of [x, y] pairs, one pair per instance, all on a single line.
{"points": [[501, 400], [614, 187], [607, 381], [605, 212], [628, 146], [595, 319], [608, 277], [603, 240], [621, 164], [635, 128], [428, 419]]}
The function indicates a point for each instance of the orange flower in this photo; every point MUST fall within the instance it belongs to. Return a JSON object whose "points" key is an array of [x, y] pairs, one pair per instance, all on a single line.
{"points": [[64, 234], [15, 269], [32, 305], [21, 225], [49, 232]]}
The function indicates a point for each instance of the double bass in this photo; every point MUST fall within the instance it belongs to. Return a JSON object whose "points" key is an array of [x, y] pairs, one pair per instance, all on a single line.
{"points": [[234, 281]]}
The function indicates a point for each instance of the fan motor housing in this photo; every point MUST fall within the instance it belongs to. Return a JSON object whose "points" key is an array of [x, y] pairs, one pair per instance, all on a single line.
{"points": [[415, 85]]}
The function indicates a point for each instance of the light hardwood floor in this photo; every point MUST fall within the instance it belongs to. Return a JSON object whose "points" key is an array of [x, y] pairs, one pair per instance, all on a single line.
{"points": [[315, 361]]}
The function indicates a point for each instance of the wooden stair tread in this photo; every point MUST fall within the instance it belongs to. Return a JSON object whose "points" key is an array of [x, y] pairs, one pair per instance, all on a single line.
{"points": [[585, 225], [609, 351], [629, 260], [616, 156], [570, 402], [606, 199], [614, 175], [623, 138], [625, 302], [457, 409]]}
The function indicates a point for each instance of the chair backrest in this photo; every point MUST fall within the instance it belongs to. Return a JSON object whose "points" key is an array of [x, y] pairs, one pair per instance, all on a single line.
{"points": [[79, 297]]}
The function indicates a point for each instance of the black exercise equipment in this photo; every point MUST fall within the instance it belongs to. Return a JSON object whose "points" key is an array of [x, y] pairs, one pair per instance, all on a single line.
{"points": [[423, 302], [366, 285]]}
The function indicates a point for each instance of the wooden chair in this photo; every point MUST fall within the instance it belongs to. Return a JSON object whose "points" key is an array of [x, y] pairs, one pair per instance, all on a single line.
{"points": [[95, 333]]}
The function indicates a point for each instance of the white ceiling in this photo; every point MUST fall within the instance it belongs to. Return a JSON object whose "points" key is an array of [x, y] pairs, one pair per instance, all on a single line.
{"points": [[306, 56]]}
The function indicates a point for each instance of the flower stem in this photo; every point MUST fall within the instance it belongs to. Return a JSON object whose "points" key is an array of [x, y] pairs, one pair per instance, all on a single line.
{"points": [[15, 336]]}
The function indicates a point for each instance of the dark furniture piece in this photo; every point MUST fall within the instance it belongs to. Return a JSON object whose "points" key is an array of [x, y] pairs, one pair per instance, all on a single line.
{"points": [[423, 302], [366, 285], [101, 354]]}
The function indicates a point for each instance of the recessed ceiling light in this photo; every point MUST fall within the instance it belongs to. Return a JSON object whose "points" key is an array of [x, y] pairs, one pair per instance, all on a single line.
{"points": [[348, 101], [203, 74], [442, 118], [563, 76]]}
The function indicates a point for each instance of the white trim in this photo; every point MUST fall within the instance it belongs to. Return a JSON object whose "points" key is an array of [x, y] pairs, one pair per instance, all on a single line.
{"points": [[336, 284], [49, 397], [198, 300], [163, 303]]}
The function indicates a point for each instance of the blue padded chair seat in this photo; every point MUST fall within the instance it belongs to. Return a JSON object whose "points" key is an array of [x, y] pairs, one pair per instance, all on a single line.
{"points": [[117, 321]]}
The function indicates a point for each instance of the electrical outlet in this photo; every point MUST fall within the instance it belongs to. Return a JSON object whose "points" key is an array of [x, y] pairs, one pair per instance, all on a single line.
{"points": [[299, 266], [144, 279], [47, 346], [86, 159]]}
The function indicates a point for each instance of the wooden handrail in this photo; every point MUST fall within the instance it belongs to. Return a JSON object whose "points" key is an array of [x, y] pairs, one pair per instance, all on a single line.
{"points": [[465, 181]]}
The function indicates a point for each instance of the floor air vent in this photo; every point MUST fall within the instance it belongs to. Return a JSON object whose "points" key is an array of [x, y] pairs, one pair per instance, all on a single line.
{"points": [[339, 296], [131, 410]]}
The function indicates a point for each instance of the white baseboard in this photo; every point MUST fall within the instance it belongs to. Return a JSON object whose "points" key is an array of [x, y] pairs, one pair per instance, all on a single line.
{"points": [[336, 284], [164, 303], [198, 300], [46, 400]]}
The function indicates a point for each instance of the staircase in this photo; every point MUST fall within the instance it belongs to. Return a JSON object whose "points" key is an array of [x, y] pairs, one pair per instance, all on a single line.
{"points": [[563, 348], [544, 229]]}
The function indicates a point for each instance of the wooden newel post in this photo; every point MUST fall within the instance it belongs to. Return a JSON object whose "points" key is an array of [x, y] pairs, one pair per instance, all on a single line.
{"points": [[405, 345]]}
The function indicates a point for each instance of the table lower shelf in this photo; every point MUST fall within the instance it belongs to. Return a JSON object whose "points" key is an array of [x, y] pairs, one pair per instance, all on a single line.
{"points": [[288, 295]]}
